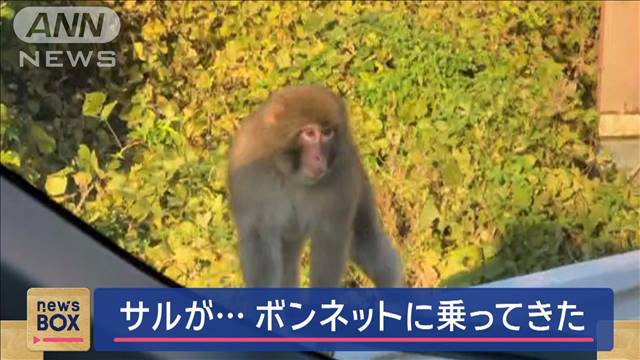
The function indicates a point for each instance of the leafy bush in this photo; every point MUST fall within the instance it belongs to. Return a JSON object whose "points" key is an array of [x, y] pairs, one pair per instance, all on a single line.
{"points": [[476, 122]]}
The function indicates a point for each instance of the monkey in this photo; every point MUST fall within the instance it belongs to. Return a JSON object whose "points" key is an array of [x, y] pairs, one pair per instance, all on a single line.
{"points": [[294, 173]]}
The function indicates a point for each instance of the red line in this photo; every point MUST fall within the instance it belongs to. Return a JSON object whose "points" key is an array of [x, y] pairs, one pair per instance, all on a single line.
{"points": [[353, 340], [56, 340]]}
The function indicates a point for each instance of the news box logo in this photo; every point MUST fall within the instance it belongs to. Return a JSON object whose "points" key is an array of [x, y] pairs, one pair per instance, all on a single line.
{"points": [[58, 319]]}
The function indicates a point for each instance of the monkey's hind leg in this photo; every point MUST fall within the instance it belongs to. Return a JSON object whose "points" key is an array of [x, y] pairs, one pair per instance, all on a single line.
{"points": [[377, 258], [329, 255]]}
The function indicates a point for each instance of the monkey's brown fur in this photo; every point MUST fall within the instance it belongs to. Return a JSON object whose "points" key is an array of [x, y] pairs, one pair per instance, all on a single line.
{"points": [[275, 205]]}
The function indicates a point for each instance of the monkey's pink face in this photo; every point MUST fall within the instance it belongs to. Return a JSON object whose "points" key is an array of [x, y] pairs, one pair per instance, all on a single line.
{"points": [[316, 145]]}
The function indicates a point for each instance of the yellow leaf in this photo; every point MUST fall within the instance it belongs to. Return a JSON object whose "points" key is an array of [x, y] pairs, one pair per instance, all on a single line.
{"points": [[204, 81], [283, 59], [153, 29], [56, 184], [82, 179], [138, 48]]}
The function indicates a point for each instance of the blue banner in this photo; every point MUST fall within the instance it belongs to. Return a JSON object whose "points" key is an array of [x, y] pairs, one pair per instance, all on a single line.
{"points": [[474, 319]]}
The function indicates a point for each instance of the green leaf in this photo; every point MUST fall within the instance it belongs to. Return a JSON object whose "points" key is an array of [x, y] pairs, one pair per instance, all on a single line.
{"points": [[313, 23], [106, 111], [4, 113], [283, 59], [470, 254], [521, 195], [428, 214], [490, 250], [6, 11], [45, 143], [494, 268], [87, 160], [93, 103], [84, 158], [160, 253], [94, 164], [451, 174]]}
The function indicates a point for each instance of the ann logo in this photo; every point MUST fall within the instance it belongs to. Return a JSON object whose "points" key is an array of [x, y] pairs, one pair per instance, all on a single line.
{"points": [[66, 24], [77, 27]]}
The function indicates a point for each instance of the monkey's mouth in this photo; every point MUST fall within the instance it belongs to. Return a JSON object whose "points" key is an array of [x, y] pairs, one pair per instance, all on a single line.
{"points": [[311, 178]]}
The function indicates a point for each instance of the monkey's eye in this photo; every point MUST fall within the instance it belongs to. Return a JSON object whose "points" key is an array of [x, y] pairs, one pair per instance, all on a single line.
{"points": [[309, 134], [327, 132]]}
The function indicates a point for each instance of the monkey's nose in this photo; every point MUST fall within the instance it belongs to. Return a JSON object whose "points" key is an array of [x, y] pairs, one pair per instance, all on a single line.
{"points": [[318, 169]]}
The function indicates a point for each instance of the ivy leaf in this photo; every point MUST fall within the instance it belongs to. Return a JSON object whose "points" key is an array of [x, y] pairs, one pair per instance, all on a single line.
{"points": [[203, 81], [283, 59], [82, 179], [313, 23], [10, 158], [521, 195], [428, 214], [153, 29], [451, 174], [93, 103], [6, 11], [159, 254], [84, 158], [494, 268], [45, 143], [138, 49], [106, 111]]}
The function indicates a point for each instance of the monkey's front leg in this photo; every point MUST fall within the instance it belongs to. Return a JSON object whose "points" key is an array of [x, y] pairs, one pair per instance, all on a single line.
{"points": [[291, 249], [261, 258], [329, 254]]}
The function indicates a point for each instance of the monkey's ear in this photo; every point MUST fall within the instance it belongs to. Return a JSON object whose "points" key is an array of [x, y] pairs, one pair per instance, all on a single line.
{"points": [[272, 113]]}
